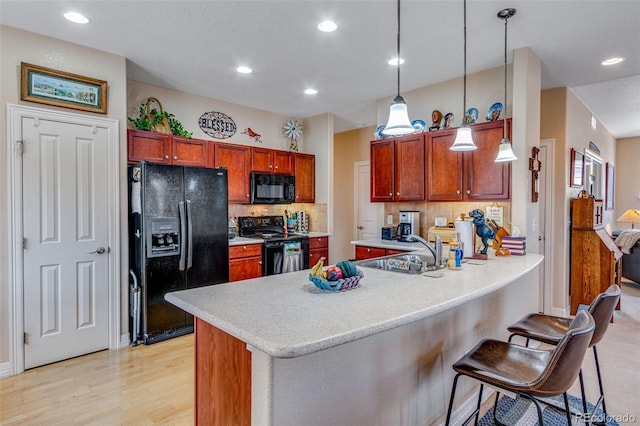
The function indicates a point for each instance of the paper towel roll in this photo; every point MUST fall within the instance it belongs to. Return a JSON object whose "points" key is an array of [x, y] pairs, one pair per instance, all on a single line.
{"points": [[465, 235]]}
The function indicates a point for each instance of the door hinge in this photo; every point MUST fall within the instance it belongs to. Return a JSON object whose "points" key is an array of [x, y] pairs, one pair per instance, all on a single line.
{"points": [[20, 146], [26, 338], [24, 244]]}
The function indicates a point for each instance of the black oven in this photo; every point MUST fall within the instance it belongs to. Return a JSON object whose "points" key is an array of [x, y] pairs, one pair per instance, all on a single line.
{"points": [[272, 189], [281, 252]]}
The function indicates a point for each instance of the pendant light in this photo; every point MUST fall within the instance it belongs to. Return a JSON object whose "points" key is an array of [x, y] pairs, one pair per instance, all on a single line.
{"points": [[398, 123], [464, 140], [505, 151]]}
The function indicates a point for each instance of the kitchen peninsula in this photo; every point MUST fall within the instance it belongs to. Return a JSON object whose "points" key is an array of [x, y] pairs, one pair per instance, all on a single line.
{"points": [[277, 351]]}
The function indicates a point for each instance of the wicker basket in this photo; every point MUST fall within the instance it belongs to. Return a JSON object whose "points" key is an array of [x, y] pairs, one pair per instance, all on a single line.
{"points": [[342, 284], [161, 127]]}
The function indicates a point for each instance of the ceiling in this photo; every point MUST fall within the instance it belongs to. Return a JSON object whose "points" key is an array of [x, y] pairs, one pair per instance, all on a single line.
{"points": [[195, 46]]}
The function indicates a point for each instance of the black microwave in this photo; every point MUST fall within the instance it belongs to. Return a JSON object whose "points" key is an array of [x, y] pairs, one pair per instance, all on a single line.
{"points": [[272, 189]]}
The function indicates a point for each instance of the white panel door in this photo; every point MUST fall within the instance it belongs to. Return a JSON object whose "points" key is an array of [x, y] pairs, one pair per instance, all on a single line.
{"points": [[367, 214], [66, 283]]}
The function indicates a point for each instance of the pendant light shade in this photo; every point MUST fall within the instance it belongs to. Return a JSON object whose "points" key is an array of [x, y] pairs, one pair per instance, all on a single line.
{"points": [[464, 140], [398, 123], [505, 151]]}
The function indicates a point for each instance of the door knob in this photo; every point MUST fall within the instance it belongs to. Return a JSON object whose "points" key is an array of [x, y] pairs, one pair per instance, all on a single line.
{"points": [[360, 227], [99, 250]]}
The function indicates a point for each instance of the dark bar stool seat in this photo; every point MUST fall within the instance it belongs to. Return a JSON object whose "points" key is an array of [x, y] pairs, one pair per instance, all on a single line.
{"points": [[550, 329], [529, 373]]}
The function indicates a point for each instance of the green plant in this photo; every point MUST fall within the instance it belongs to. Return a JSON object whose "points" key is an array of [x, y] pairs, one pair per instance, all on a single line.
{"points": [[155, 117]]}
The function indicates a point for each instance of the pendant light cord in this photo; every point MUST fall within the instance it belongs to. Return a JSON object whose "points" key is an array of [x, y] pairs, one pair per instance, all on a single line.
{"points": [[398, 48], [505, 79], [464, 91]]}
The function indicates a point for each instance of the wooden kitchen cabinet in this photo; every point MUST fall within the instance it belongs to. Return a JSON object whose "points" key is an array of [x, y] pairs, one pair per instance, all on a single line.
{"points": [[236, 158], [595, 259], [189, 152], [245, 261], [471, 175], [398, 169], [148, 146], [264, 160], [166, 149], [318, 247], [366, 252], [305, 173]]}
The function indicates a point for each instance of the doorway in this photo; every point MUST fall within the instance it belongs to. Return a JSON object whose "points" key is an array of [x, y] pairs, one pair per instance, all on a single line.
{"points": [[64, 257], [367, 216]]}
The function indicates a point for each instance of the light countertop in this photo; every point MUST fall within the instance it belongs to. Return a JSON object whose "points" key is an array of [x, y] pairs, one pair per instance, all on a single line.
{"points": [[286, 316]]}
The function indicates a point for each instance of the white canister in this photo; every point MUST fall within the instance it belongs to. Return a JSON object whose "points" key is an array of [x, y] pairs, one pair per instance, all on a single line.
{"points": [[464, 229]]}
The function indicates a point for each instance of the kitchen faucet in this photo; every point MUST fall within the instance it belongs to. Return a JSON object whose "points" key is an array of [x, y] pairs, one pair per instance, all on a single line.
{"points": [[437, 252]]}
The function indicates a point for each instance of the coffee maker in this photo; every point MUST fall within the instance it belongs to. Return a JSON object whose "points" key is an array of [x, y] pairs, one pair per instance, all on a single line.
{"points": [[408, 223]]}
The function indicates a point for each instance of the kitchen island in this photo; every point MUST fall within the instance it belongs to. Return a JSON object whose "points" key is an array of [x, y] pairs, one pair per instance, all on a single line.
{"points": [[277, 351]]}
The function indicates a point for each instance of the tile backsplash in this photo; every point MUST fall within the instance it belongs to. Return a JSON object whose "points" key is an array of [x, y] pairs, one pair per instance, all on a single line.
{"points": [[317, 213], [450, 210]]}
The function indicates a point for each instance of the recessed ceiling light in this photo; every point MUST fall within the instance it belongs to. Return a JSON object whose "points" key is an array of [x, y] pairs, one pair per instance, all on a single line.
{"points": [[394, 61], [244, 70], [327, 26], [612, 61], [76, 17], [311, 91]]}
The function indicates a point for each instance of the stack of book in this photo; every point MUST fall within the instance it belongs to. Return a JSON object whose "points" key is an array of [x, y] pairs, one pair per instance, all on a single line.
{"points": [[516, 245]]}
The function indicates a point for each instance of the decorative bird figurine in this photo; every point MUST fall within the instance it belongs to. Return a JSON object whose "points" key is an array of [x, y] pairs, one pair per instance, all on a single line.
{"points": [[253, 135]]}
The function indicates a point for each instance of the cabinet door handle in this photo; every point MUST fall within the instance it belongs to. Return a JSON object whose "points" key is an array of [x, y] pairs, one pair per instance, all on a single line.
{"points": [[468, 191], [458, 192], [270, 166], [166, 157], [244, 247], [391, 194], [368, 250], [175, 157], [398, 193], [259, 262]]}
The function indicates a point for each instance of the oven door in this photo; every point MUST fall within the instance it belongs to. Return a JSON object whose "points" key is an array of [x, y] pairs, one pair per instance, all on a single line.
{"points": [[283, 256], [272, 189]]}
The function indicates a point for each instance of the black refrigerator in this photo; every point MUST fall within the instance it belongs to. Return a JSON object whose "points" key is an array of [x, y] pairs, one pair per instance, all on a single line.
{"points": [[178, 234]]}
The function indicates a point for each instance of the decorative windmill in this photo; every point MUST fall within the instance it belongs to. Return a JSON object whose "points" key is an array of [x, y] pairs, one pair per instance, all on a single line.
{"points": [[292, 129]]}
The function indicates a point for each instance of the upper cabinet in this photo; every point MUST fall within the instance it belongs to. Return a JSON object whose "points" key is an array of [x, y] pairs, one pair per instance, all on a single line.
{"points": [[264, 160], [471, 175], [397, 169], [166, 149], [305, 173], [236, 159]]}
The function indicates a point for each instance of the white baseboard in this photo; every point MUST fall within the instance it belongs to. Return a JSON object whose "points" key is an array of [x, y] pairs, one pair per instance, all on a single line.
{"points": [[5, 370], [124, 341], [560, 312]]}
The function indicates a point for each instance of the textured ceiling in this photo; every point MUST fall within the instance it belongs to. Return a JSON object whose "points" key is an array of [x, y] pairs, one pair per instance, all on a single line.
{"points": [[195, 46]]}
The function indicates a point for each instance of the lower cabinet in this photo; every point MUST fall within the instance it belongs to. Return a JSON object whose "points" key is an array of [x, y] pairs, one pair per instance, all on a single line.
{"points": [[245, 262], [318, 247], [366, 252]]}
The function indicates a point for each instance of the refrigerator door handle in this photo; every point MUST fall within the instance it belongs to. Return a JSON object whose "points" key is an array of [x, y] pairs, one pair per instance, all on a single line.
{"points": [[183, 234], [190, 236]]}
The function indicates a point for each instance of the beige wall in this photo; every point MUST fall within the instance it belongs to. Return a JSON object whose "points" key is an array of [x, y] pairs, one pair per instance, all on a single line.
{"points": [[566, 120], [627, 179], [349, 147], [20, 46]]}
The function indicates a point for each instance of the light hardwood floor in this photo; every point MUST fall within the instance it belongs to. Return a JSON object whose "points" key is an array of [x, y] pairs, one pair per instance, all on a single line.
{"points": [[153, 384]]}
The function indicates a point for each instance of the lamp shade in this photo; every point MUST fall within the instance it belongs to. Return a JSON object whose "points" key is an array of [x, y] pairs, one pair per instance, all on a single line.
{"points": [[464, 141], [630, 216], [398, 123], [505, 152]]}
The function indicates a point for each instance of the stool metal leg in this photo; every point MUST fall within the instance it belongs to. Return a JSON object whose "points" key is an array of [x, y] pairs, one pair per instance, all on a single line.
{"points": [[566, 407], [453, 394], [601, 398], [585, 410]]}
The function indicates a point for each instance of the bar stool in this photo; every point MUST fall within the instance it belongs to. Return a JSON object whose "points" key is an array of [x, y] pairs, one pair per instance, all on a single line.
{"points": [[527, 372], [550, 329]]}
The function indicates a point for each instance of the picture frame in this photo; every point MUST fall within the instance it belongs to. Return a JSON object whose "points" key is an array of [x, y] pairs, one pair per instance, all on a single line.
{"points": [[62, 89], [576, 173], [609, 193]]}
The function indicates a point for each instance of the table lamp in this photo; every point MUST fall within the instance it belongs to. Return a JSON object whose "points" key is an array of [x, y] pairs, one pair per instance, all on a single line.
{"points": [[630, 216]]}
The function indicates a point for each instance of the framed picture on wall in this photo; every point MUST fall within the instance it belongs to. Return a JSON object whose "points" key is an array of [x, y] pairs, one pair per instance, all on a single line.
{"points": [[576, 175], [63, 89], [610, 186]]}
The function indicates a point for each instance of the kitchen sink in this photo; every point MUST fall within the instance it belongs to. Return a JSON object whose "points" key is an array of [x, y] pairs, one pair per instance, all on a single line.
{"points": [[406, 263]]}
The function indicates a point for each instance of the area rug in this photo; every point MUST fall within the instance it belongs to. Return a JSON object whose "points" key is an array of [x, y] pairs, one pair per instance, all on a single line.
{"points": [[522, 412]]}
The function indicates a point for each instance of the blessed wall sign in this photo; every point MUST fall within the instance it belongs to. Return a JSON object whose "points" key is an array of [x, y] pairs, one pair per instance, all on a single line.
{"points": [[217, 125]]}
